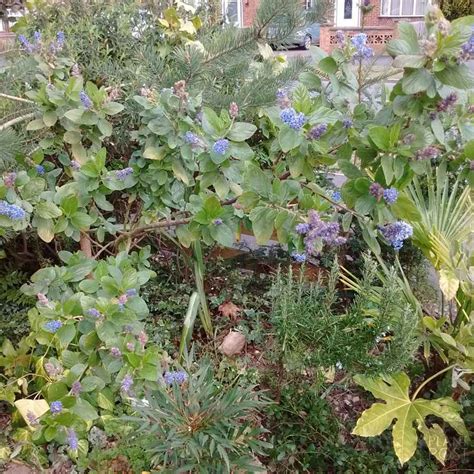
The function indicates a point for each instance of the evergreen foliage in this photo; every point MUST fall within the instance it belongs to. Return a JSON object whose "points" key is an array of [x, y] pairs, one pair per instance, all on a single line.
{"points": [[314, 330]]}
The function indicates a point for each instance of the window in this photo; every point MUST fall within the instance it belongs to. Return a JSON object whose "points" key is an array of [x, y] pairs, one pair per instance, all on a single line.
{"points": [[404, 7]]}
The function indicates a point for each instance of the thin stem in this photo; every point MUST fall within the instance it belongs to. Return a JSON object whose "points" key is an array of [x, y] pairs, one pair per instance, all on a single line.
{"points": [[16, 120], [428, 380], [17, 99]]}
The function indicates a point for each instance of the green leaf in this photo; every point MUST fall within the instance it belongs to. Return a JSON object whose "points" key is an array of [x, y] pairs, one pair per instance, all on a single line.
{"points": [[154, 153], [72, 138], [112, 108], [85, 410], [381, 137], [69, 205], [262, 219], [37, 124], [50, 118], [407, 413], [66, 334], [105, 400], [413, 61], [105, 127], [241, 131], [222, 234], [289, 139], [48, 210], [211, 123], [74, 115], [81, 220], [418, 80], [405, 209], [448, 283], [408, 34], [459, 76], [45, 229], [328, 65]]}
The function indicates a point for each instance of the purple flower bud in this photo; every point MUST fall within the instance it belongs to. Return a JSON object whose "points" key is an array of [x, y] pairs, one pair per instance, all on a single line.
{"points": [[42, 299], [32, 418], [218, 221], [115, 352], [85, 99], [122, 174], [376, 190], [142, 338], [233, 110], [75, 70], [40, 169], [347, 123], [191, 139], [130, 346], [131, 292], [428, 153], [76, 388], [317, 131], [126, 384], [9, 180], [75, 165], [72, 439]]}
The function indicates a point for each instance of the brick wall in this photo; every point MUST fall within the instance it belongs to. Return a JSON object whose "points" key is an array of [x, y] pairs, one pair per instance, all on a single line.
{"points": [[249, 8], [380, 30]]}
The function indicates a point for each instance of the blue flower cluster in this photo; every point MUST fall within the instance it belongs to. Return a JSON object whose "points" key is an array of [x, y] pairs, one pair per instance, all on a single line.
{"points": [[191, 139], [390, 195], [317, 231], [122, 174], [221, 146], [396, 233], [298, 257], [31, 47], [40, 169], [56, 407], [336, 196], [58, 45], [11, 211], [178, 377], [362, 50], [347, 123], [292, 118], [52, 326], [318, 131], [95, 313], [131, 292], [85, 99]]}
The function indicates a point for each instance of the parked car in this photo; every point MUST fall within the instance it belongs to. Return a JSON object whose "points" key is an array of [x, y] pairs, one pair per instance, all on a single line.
{"points": [[305, 37]]}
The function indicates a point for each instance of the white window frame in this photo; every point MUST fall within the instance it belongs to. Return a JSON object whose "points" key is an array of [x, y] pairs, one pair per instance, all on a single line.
{"points": [[389, 15]]}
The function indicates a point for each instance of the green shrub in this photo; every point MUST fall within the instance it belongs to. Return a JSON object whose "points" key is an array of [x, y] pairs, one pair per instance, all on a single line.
{"points": [[195, 424], [315, 327]]}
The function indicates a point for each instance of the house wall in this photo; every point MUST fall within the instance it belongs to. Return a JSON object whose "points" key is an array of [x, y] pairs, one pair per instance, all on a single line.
{"points": [[379, 29]]}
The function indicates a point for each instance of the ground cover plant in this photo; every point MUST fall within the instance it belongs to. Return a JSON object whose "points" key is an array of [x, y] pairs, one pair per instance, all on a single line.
{"points": [[127, 198]]}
